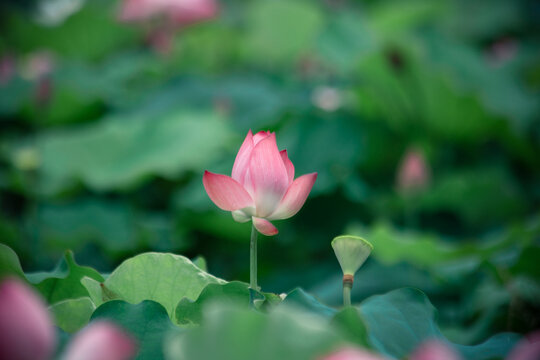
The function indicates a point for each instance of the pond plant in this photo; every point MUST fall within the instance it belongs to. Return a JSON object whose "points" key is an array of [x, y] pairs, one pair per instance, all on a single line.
{"points": [[164, 306]]}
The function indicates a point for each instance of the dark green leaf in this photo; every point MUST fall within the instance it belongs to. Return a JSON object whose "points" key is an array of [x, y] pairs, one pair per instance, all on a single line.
{"points": [[298, 297], [350, 323], [233, 293], [147, 321]]}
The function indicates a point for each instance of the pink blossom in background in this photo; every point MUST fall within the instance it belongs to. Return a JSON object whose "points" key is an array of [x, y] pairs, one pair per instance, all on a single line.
{"points": [[26, 329], [37, 68], [527, 349], [413, 172], [38, 65], [434, 350], [179, 12], [262, 185], [502, 51], [101, 340], [161, 40], [7, 69], [352, 354]]}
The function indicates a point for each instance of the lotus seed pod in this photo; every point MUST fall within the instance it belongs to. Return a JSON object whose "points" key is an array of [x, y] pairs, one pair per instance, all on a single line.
{"points": [[351, 252]]}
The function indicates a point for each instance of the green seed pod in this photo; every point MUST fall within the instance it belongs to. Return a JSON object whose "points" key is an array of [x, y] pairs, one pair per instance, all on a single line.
{"points": [[351, 252]]}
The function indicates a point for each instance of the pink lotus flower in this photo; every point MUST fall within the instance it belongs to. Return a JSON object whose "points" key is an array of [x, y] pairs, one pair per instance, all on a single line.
{"points": [[261, 187], [26, 329], [101, 340], [180, 12]]}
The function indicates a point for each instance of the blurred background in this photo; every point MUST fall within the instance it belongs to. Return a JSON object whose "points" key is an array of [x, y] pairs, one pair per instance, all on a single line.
{"points": [[422, 119]]}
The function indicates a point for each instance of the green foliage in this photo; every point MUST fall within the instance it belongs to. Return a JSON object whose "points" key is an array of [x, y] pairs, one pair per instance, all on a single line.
{"points": [[231, 333], [272, 21], [400, 320], [105, 155], [72, 38], [64, 282], [426, 250]]}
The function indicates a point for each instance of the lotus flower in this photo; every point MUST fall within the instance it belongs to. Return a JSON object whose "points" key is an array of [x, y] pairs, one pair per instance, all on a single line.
{"points": [[101, 340], [262, 185], [26, 328]]}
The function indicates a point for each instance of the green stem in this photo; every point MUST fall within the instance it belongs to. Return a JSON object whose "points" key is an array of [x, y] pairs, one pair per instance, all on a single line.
{"points": [[347, 294], [253, 259]]}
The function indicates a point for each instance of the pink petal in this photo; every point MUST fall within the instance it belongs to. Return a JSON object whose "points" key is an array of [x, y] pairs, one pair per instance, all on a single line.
{"points": [[101, 341], [264, 226], [26, 328], [268, 175], [295, 197], [288, 165], [241, 163], [352, 354], [226, 192], [261, 135], [434, 350]]}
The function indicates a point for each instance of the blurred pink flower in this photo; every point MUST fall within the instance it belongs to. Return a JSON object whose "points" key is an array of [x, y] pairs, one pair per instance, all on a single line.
{"points": [[179, 12], [26, 329], [7, 69], [502, 51], [261, 187], [413, 173], [434, 350], [527, 349], [352, 354], [38, 65], [101, 340]]}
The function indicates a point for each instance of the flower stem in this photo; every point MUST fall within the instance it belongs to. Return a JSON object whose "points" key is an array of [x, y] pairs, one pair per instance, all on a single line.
{"points": [[347, 286], [253, 259], [346, 295]]}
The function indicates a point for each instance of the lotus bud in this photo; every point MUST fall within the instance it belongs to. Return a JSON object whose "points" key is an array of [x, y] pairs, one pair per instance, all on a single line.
{"points": [[26, 328], [101, 340], [527, 349], [350, 353], [434, 350], [351, 252]]}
